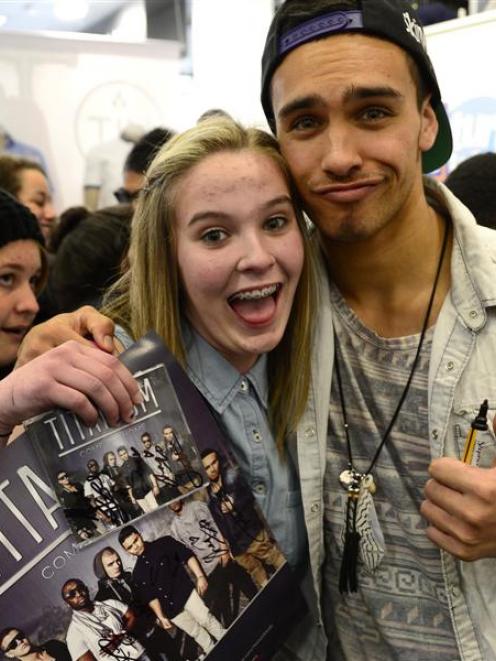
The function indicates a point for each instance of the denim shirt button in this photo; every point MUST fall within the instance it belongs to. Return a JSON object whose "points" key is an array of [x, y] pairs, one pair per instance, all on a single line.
{"points": [[244, 386], [315, 507], [472, 314], [309, 432], [450, 365], [435, 434]]}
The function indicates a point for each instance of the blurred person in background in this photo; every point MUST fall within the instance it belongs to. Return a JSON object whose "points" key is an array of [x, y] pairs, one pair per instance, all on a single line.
{"points": [[68, 220], [23, 269], [103, 167], [28, 183], [137, 162], [473, 182], [89, 256]]}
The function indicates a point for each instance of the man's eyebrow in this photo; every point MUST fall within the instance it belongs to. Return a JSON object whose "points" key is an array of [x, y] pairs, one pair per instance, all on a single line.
{"points": [[352, 93], [301, 103], [355, 93]]}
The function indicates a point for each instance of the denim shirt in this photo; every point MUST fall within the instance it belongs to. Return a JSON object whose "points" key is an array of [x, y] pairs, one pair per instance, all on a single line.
{"points": [[462, 373], [240, 402]]}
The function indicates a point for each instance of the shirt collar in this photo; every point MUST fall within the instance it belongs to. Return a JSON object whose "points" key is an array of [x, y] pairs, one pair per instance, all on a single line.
{"points": [[473, 287], [216, 379]]}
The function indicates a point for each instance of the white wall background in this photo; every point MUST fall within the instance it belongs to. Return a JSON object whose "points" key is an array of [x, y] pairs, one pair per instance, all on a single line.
{"points": [[64, 95], [463, 52]]}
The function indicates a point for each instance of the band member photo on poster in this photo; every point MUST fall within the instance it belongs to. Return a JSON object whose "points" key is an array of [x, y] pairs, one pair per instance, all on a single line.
{"points": [[106, 477]]}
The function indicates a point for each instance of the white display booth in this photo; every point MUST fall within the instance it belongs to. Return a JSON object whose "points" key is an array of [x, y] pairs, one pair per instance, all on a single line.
{"points": [[64, 95]]}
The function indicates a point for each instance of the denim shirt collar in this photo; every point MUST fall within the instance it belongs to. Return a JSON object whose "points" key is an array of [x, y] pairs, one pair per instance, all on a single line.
{"points": [[217, 380], [473, 288]]}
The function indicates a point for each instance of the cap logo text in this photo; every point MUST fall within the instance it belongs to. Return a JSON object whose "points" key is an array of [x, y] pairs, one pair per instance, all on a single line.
{"points": [[413, 28]]}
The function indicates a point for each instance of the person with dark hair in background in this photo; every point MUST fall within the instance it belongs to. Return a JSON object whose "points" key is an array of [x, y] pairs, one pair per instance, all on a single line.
{"points": [[213, 112], [28, 183], [14, 644], [473, 181], [116, 583], [164, 584], [137, 162], [68, 220], [89, 258], [23, 271]]}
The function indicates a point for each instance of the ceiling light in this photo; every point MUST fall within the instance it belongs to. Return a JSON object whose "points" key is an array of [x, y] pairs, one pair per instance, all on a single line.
{"points": [[70, 10]]}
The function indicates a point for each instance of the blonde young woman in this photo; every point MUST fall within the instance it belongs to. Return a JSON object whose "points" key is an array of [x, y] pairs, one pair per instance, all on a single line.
{"points": [[221, 269]]}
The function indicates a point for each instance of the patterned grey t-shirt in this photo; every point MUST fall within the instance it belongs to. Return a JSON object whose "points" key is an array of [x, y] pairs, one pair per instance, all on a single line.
{"points": [[400, 609]]}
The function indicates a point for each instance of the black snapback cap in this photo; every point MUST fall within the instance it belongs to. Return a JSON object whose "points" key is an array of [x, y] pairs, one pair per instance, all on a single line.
{"points": [[298, 22]]}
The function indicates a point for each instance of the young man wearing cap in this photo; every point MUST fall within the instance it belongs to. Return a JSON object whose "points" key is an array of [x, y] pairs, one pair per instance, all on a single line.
{"points": [[404, 559]]}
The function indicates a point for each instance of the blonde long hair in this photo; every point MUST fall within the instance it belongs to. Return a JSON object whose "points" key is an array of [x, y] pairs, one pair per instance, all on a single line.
{"points": [[149, 296]]}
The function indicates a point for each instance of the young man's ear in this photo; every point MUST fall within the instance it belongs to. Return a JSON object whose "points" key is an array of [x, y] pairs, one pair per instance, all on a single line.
{"points": [[429, 126]]}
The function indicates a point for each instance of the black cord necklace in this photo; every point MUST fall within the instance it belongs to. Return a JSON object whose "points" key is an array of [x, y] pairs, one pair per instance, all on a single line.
{"points": [[351, 479]]}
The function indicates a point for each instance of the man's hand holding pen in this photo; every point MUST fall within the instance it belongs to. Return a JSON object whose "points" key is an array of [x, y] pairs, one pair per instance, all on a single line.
{"points": [[460, 505], [460, 508]]}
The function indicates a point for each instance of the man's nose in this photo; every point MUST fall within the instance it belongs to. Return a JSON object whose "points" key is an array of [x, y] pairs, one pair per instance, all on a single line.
{"points": [[340, 155]]}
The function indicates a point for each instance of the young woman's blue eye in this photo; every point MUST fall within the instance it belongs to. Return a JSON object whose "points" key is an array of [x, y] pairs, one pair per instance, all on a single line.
{"points": [[213, 236]]}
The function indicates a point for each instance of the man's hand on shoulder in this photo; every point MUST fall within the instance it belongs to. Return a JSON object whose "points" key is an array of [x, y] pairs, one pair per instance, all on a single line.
{"points": [[460, 508], [86, 326]]}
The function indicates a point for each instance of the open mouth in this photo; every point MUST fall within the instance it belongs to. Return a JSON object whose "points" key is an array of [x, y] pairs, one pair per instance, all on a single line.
{"points": [[256, 306]]}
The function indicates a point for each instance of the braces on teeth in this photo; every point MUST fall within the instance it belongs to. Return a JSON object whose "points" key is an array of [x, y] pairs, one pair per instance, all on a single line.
{"points": [[256, 294]]}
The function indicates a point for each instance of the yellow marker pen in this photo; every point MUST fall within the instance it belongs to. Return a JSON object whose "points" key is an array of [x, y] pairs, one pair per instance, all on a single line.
{"points": [[479, 423]]}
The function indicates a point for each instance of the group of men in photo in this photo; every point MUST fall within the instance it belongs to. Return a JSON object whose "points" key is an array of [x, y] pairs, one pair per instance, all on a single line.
{"points": [[181, 590], [130, 482]]}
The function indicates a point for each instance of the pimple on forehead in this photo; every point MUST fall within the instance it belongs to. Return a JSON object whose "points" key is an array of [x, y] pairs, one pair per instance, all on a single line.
{"points": [[242, 182]]}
